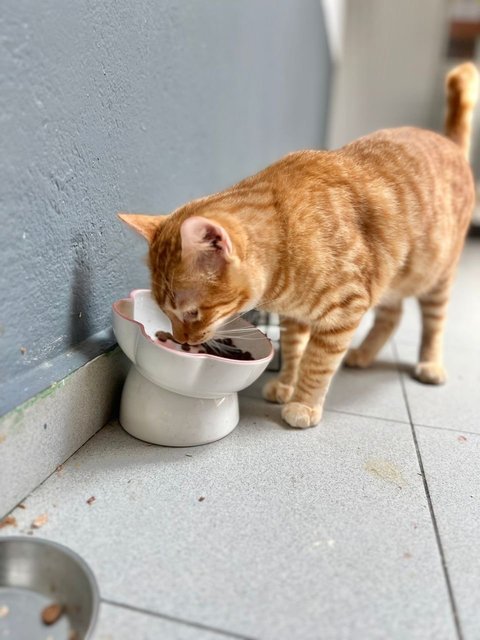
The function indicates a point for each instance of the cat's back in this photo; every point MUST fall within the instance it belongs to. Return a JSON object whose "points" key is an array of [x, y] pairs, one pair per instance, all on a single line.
{"points": [[410, 153], [403, 156], [425, 167], [403, 140], [401, 175]]}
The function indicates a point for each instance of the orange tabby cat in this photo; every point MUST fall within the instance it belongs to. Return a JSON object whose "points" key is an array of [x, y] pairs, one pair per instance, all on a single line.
{"points": [[320, 237]]}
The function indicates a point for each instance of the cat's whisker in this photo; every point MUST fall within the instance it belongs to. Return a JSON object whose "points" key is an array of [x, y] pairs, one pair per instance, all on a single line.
{"points": [[214, 346], [243, 337], [240, 315], [232, 319], [236, 332]]}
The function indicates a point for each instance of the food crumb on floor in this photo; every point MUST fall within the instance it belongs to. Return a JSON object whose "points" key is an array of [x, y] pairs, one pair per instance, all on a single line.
{"points": [[4, 611], [8, 521], [91, 500], [40, 521]]}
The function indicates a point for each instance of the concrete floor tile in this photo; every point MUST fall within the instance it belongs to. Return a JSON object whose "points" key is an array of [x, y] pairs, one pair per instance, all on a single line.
{"points": [[118, 623], [452, 470], [272, 533], [454, 405], [375, 391]]}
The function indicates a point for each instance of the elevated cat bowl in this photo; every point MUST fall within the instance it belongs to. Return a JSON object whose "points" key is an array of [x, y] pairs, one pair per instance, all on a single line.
{"points": [[175, 398]]}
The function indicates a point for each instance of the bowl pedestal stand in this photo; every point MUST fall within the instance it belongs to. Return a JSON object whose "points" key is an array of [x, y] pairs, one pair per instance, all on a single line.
{"points": [[145, 407]]}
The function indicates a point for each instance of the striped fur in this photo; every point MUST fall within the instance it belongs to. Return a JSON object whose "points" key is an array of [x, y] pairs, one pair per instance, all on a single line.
{"points": [[320, 237]]}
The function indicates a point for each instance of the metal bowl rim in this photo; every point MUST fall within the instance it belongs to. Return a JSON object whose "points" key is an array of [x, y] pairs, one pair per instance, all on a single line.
{"points": [[79, 560]]}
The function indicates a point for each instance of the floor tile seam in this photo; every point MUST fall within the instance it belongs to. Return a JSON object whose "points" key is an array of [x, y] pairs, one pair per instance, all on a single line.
{"points": [[450, 429], [175, 619], [368, 415], [443, 561], [341, 411]]}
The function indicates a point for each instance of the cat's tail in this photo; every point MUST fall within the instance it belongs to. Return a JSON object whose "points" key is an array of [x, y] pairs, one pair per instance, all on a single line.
{"points": [[462, 93]]}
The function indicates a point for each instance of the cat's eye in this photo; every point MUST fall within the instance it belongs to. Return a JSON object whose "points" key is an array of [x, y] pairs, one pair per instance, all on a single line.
{"points": [[188, 316]]}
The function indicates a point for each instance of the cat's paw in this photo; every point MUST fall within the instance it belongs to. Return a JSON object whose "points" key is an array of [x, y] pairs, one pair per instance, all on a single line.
{"points": [[276, 391], [358, 358], [300, 415], [430, 373]]}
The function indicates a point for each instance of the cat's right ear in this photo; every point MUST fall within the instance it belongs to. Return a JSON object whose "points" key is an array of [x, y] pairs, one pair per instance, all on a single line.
{"points": [[141, 223]]}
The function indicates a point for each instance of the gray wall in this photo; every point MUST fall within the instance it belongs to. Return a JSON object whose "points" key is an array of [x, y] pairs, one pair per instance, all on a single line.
{"points": [[129, 105]]}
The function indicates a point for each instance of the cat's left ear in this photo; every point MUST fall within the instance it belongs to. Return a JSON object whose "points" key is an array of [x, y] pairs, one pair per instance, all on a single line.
{"points": [[142, 224], [204, 237]]}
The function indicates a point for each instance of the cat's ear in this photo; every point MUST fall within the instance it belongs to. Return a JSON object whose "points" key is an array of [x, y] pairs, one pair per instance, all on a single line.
{"points": [[142, 224], [203, 237]]}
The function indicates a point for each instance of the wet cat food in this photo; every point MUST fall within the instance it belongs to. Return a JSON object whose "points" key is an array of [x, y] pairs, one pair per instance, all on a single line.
{"points": [[223, 348], [163, 336]]}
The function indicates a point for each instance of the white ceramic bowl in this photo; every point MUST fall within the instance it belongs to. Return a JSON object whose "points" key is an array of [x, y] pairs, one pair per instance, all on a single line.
{"points": [[137, 319]]}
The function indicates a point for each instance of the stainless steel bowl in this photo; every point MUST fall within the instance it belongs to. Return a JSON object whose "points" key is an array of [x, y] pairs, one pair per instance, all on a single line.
{"points": [[35, 573]]}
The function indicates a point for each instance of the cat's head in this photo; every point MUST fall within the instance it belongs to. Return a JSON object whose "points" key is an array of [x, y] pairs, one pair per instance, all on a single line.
{"points": [[199, 274]]}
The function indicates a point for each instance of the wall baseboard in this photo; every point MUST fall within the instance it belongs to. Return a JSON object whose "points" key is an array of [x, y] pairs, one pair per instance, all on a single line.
{"points": [[47, 429], [17, 389]]}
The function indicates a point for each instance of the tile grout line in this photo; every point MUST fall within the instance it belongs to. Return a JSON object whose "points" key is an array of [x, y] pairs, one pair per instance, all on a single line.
{"points": [[446, 575], [341, 411], [449, 429], [365, 415], [164, 616]]}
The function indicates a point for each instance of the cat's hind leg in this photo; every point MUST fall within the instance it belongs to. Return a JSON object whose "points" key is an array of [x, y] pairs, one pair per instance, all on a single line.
{"points": [[294, 336], [433, 306], [387, 318]]}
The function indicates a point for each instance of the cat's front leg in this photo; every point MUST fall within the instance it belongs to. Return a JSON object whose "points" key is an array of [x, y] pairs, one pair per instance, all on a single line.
{"points": [[293, 339], [321, 359]]}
